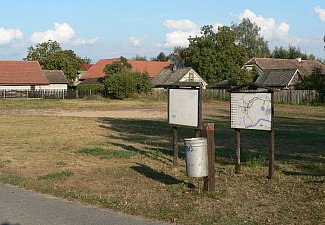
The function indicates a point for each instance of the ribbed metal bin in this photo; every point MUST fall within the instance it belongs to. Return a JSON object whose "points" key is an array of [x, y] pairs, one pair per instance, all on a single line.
{"points": [[196, 157]]}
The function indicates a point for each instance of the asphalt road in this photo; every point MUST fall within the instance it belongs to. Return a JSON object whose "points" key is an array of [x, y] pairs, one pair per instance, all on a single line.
{"points": [[22, 207]]}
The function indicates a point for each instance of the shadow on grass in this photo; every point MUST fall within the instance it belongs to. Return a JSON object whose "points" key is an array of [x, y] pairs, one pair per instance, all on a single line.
{"points": [[297, 141], [155, 175], [6, 223]]}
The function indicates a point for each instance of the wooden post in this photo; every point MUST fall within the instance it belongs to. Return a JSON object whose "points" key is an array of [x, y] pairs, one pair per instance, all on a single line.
{"points": [[209, 183], [271, 154], [175, 146], [271, 141], [237, 166], [197, 133]]}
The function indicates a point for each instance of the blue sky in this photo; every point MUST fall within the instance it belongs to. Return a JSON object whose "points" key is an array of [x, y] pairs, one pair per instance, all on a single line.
{"points": [[105, 29]]}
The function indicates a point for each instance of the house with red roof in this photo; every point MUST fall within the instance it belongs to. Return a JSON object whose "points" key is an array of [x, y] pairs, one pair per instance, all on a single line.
{"points": [[96, 73], [28, 75], [22, 75]]}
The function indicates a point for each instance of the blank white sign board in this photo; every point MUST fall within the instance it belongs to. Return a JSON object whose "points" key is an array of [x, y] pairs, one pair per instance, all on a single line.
{"points": [[184, 107]]}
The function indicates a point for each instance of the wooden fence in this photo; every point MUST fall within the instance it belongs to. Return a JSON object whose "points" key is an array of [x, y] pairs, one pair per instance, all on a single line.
{"points": [[48, 94], [284, 96]]}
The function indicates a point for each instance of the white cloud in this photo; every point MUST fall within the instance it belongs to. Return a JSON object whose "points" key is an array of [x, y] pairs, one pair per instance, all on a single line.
{"points": [[181, 31], [216, 26], [184, 25], [9, 35], [61, 33], [79, 41], [320, 12], [137, 41], [269, 29]]}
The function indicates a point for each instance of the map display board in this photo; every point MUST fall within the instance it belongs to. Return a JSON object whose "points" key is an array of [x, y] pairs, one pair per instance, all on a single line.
{"points": [[251, 111], [183, 107]]}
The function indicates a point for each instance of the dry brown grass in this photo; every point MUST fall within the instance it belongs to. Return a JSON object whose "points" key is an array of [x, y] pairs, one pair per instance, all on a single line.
{"points": [[147, 184]]}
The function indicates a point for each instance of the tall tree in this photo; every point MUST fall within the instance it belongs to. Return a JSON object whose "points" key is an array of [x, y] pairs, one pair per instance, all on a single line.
{"points": [[215, 56], [248, 35], [42, 51], [51, 57], [316, 81], [140, 58], [290, 53], [161, 57]]}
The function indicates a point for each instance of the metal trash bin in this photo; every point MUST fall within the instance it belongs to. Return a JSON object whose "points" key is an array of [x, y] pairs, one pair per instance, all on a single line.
{"points": [[196, 157]]}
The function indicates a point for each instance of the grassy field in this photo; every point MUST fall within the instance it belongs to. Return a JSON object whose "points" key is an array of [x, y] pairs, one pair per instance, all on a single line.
{"points": [[126, 164]]}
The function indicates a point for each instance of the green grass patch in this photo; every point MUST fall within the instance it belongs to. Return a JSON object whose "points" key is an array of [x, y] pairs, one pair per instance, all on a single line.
{"points": [[103, 153], [57, 176]]}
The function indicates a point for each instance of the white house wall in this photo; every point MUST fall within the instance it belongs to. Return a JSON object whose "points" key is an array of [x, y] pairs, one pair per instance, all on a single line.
{"points": [[55, 87], [37, 87], [20, 87], [196, 78]]}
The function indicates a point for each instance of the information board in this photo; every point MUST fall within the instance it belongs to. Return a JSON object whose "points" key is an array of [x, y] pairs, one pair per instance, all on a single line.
{"points": [[251, 111], [183, 107]]}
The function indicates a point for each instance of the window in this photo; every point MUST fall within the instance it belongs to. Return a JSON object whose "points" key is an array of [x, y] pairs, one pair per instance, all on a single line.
{"points": [[191, 77], [32, 87]]}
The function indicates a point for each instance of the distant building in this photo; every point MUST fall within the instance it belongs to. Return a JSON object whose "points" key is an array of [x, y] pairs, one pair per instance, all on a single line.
{"points": [[57, 79], [22, 75], [172, 75], [282, 73], [97, 70], [82, 71]]}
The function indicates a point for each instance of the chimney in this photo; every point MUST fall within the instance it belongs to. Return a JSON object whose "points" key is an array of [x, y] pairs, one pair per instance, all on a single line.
{"points": [[174, 67], [299, 60]]}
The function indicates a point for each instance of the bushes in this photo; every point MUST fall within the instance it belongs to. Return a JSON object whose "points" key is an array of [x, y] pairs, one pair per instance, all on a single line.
{"points": [[124, 84]]}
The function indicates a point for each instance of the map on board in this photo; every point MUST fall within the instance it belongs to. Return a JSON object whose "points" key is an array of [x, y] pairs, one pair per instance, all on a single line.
{"points": [[251, 111]]}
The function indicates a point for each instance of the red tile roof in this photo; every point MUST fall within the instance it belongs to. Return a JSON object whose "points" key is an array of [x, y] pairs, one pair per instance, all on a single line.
{"points": [[21, 73], [151, 67], [85, 67]]}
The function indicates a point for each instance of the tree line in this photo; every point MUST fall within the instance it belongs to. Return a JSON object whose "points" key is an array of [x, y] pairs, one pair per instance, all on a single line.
{"points": [[216, 55]]}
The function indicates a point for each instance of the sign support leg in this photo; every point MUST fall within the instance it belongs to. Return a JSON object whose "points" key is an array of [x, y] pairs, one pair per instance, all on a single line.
{"points": [[237, 166], [175, 146], [271, 154]]}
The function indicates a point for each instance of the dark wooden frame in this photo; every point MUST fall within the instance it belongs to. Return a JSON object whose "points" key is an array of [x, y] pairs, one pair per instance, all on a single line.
{"points": [[271, 132], [197, 87]]}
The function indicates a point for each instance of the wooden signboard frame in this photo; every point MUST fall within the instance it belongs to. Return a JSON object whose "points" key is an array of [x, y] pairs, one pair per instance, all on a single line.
{"points": [[194, 86], [271, 131]]}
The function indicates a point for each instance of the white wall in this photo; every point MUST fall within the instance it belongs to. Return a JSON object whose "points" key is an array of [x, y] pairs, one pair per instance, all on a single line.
{"points": [[37, 87], [196, 78], [54, 86]]}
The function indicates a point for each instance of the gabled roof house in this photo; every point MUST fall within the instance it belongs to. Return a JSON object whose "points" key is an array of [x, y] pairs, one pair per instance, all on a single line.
{"points": [[96, 73], [173, 75], [57, 79], [282, 73], [22, 75]]}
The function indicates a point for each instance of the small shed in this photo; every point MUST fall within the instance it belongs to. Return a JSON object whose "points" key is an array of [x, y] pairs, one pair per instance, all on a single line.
{"points": [[57, 80], [169, 76]]}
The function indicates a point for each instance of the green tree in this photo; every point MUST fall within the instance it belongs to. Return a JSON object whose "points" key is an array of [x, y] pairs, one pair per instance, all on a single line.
{"points": [[215, 56], [121, 82], [51, 57], [42, 51], [140, 58], [121, 65], [316, 81], [248, 35], [290, 53], [160, 57]]}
